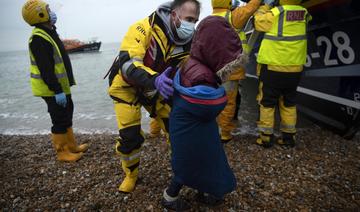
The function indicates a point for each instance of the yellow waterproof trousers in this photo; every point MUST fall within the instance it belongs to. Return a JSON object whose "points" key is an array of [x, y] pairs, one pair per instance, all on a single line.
{"points": [[127, 106], [226, 118], [268, 98], [155, 129]]}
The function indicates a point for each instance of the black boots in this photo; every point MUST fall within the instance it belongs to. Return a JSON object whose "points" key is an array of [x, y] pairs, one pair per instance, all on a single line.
{"points": [[288, 139], [174, 203], [208, 199]]}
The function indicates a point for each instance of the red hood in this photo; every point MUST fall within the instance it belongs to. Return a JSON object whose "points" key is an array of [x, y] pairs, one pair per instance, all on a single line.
{"points": [[215, 43], [214, 46]]}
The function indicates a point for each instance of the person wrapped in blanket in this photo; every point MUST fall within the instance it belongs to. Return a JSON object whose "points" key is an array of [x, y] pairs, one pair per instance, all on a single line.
{"points": [[198, 159]]}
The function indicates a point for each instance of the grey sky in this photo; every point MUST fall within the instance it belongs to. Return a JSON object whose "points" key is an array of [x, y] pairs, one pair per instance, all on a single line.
{"points": [[108, 20]]}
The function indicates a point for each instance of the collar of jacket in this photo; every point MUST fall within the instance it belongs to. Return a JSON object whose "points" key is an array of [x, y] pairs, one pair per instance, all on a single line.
{"points": [[46, 29]]}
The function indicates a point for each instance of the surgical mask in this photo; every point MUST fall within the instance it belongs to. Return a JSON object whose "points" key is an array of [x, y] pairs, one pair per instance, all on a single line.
{"points": [[186, 29], [52, 17]]}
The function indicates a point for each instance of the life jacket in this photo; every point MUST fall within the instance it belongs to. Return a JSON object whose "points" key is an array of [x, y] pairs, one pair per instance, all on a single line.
{"points": [[286, 43], [153, 51], [38, 86]]}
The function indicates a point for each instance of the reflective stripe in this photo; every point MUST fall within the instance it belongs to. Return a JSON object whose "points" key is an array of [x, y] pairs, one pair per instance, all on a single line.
{"points": [[285, 38], [35, 76], [127, 65], [288, 127], [281, 21], [57, 60], [130, 158], [38, 76], [266, 130], [57, 57]]}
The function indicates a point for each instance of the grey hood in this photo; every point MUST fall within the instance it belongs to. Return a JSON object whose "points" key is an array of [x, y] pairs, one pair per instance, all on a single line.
{"points": [[164, 12]]}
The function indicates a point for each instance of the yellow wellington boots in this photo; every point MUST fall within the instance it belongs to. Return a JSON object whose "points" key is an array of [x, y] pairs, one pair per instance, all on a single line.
{"points": [[155, 129], [226, 137], [73, 147], [62, 149], [265, 140], [131, 169]]}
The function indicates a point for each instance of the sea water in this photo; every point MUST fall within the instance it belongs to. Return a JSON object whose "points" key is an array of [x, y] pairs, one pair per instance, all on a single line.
{"points": [[22, 113]]}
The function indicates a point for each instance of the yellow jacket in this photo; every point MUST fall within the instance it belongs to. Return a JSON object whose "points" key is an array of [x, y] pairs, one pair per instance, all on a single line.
{"points": [[264, 20], [38, 86], [239, 17], [145, 51]]}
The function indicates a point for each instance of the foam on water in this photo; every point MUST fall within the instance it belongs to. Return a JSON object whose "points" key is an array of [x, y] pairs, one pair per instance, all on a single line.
{"points": [[21, 116], [46, 132], [94, 116]]}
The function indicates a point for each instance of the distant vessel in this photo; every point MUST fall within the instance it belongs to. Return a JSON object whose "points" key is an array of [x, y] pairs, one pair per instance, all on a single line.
{"points": [[74, 45]]}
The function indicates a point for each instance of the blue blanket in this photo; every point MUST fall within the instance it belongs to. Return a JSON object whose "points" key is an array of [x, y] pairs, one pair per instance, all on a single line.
{"points": [[198, 158]]}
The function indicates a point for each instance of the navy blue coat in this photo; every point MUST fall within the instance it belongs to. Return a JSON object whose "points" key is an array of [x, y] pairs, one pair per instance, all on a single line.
{"points": [[198, 159]]}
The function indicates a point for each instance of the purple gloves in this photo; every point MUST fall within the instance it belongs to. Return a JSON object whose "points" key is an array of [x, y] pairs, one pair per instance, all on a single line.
{"points": [[164, 84]]}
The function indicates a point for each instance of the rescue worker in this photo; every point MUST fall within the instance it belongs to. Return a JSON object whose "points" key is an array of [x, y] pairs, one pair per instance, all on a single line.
{"points": [[280, 60], [150, 50], [51, 77], [237, 17]]}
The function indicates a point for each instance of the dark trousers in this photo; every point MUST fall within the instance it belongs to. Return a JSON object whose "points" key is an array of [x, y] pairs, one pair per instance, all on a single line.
{"points": [[61, 117], [277, 84]]}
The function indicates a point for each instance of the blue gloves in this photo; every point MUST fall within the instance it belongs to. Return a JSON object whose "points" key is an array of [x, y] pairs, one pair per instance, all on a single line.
{"points": [[269, 2], [164, 84], [61, 99]]}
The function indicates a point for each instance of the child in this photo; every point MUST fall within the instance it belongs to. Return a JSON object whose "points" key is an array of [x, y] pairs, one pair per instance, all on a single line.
{"points": [[198, 159]]}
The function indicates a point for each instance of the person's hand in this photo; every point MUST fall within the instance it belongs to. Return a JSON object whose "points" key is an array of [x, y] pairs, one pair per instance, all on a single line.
{"points": [[164, 84], [60, 99], [269, 2]]}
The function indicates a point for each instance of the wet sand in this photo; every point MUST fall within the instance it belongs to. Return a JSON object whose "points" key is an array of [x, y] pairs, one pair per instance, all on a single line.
{"points": [[321, 173]]}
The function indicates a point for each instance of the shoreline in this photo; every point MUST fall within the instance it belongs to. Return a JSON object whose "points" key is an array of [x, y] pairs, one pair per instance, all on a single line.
{"points": [[321, 173]]}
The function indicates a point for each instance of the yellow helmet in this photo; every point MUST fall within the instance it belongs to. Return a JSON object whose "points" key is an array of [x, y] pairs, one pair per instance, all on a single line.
{"points": [[35, 12], [226, 4], [290, 2]]}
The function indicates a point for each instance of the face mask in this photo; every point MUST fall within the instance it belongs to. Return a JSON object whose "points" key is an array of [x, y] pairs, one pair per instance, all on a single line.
{"points": [[52, 17], [186, 29]]}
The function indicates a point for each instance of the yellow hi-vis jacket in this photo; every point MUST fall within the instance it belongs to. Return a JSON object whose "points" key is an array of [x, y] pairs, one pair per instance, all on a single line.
{"points": [[227, 15], [146, 50], [238, 18], [38, 86], [284, 46]]}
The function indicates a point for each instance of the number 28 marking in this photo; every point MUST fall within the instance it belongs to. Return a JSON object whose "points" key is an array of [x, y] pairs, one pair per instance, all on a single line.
{"points": [[342, 41]]}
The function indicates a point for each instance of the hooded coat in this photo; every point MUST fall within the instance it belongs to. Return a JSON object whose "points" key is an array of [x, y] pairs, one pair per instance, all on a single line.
{"points": [[198, 158], [215, 45]]}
